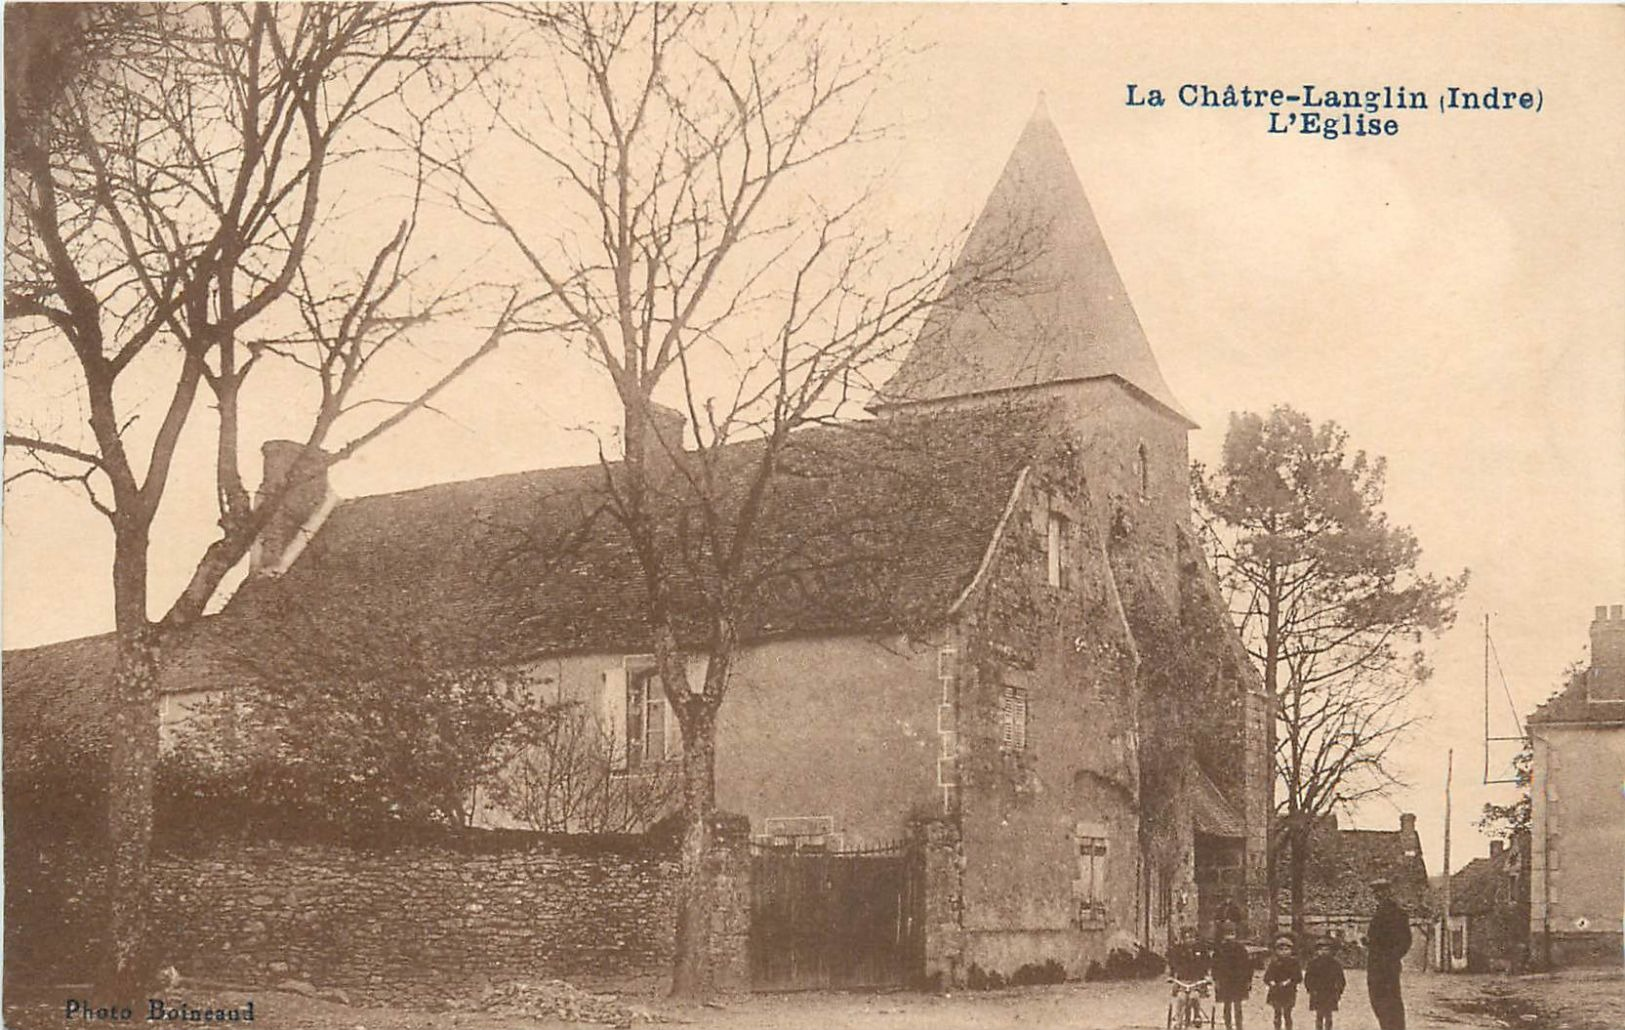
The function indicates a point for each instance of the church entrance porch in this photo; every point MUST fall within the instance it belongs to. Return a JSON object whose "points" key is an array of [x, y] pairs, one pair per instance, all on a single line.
{"points": [[1221, 883]]}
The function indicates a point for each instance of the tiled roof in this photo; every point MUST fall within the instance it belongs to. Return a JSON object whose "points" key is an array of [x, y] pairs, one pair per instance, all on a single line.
{"points": [[1573, 704], [1482, 885], [57, 694], [874, 526], [1068, 316], [1213, 812], [1343, 863]]}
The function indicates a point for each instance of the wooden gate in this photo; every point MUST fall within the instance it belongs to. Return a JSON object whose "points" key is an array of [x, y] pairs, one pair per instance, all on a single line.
{"points": [[836, 919]]}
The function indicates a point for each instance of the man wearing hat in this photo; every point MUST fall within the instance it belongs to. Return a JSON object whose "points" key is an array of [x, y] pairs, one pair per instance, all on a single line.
{"points": [[1386, 944]]}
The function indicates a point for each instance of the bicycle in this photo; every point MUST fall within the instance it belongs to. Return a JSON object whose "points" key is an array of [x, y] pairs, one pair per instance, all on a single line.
{"points": [[1185, 1007]]}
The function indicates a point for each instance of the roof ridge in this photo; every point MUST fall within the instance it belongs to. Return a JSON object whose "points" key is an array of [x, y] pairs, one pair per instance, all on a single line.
{"points": [[808, 429], [87, 638], [448, 483]]}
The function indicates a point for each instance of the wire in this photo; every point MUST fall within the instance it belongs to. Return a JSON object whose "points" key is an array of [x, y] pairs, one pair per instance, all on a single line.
{"points": [[1507, 689]]}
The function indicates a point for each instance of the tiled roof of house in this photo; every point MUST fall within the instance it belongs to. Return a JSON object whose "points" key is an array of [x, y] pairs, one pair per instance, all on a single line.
{"points": [[1343, 863], [1482, 885], [1067, 317], [873, 526], [1573, 704], [57, 694]]}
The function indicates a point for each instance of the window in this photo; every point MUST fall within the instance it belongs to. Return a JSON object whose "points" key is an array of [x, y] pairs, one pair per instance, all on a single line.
{"points": [[1013, 719], [1089, 886], [1060, 551], [650, 730]]}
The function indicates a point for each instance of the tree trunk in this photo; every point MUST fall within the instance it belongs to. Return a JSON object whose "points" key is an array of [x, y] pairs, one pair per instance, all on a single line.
{"points": [[133, 763], [696, 901], [1299, 830], [1272, 660]]}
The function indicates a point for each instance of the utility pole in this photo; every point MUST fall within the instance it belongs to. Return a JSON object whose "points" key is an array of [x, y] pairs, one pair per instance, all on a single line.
{"points": [[1445, 949], [1486, 697]]}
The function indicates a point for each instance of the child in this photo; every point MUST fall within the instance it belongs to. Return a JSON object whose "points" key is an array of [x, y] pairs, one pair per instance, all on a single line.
{"points": [[1189, 960], [1282, 977], [1324, 981], [1232, 976]]}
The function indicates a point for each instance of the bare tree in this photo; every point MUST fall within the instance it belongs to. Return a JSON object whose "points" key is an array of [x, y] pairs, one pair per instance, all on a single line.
{"points": [[566, 781], [170, 207], [713, 254], [1329, 602], [1331, 751]]}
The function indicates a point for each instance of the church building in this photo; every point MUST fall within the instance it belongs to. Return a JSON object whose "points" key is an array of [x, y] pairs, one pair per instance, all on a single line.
{"points": [[1033, 668]]}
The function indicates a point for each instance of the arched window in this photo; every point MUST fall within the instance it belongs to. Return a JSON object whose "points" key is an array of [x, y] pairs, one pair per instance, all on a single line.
{"points": [[1144, 467]]}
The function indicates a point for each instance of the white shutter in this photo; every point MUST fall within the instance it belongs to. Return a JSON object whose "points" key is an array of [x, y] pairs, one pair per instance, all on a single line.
{"points": [[612, 715], [1019, 716]]}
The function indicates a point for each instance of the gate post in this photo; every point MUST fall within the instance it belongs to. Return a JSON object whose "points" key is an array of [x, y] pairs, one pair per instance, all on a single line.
{"points": [[730, 877], [943, 856]]}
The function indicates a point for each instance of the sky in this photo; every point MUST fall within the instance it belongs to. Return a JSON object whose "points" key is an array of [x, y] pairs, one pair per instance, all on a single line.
{"points": [[1451, 295]]}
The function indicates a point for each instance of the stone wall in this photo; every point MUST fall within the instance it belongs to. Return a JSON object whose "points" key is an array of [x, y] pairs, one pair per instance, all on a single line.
{"points": [[409, 921], [1028, 896], [944, 859]]}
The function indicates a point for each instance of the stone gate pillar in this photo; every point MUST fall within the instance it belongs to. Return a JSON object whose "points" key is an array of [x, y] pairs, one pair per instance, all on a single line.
{"points": [[943, 857], [729, 870]]}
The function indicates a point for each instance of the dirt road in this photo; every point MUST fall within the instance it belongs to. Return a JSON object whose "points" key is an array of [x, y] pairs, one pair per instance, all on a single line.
{"points": [[1572, 1000]]}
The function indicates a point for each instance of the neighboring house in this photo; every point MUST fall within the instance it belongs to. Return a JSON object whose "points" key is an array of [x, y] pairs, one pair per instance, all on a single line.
{"points": [[968, 607], [1489, 910], [1337, 892], [1577, 825]]}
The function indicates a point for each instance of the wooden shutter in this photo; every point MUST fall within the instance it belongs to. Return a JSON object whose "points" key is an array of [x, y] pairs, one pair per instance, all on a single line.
{"points": [[1013, 719], [612, 715], [1057, 532]]}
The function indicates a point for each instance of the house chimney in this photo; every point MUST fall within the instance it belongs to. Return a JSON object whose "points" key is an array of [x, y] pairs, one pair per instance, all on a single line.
{"points": [[306, 498], [1606, 681], [663, 437], [1495, 847], [1407, 823]]}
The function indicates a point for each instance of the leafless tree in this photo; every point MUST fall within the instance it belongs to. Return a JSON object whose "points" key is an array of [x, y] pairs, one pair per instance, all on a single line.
{"points": [[721, 252], [565, 782], [1331, 751], [172, 208]]}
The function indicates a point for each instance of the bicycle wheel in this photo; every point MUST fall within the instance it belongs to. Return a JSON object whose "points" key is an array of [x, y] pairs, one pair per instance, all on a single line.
{"points": [[1183, 1021]]}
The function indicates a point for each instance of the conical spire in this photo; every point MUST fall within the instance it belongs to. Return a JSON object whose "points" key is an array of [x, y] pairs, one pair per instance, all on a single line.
{"points": [[1066, 317]]}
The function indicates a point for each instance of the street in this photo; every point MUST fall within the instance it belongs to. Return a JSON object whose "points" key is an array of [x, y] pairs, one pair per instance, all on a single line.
{"points": [[1574, 1000], [1571, 1000]]}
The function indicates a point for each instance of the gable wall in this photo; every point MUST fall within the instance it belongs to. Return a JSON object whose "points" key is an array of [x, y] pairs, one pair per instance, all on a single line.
{"points": [[1021, 811]]}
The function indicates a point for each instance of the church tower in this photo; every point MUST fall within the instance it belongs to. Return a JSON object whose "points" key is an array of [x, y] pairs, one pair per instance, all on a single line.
{"points": [[1061, 328]]}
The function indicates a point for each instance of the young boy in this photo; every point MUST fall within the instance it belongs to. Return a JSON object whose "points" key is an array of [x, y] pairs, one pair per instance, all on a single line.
{"points": [[1232, 976], [1324, 981], [1189, 960], [1282, 977]]}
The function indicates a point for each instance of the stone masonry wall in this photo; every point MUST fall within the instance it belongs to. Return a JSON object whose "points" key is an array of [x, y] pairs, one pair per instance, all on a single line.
{"points": [[410, 922]]}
